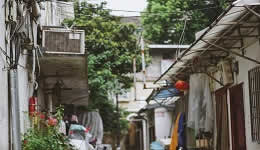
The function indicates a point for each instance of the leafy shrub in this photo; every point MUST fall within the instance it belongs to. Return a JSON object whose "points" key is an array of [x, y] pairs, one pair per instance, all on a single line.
{"points": [[45, 135]]}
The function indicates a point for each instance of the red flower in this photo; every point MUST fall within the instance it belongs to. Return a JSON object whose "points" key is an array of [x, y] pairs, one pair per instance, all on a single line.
{"points": [[42, 116], [52, 121], [25, 142]]}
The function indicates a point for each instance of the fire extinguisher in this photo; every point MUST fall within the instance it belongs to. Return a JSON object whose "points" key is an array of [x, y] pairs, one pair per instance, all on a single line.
{"points": [[32, 105]]}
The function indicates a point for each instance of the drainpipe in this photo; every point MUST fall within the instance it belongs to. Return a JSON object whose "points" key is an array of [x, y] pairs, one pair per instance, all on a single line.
{"points": [[147, 133], [16, 131], [144, 134], [50, 102], [144, 65], [134, 70], [145, 126], [143, 62]]}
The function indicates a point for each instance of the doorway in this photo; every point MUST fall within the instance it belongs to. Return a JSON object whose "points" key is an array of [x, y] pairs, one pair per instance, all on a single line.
{"points": [[237, 117], [222, 120]]}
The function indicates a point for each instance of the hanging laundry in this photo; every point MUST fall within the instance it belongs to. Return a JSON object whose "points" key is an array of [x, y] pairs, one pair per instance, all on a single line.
{"points": [[174, 140], [200, 113], [181, 131]]}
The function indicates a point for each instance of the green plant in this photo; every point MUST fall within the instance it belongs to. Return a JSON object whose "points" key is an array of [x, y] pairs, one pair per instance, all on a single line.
{"points": [[164, 21], [44, 136], [111, 47]]}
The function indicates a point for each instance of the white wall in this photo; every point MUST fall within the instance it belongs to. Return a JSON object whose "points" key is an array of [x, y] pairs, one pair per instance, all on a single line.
{"points": [[25, 85], [54, 13], [252, 51], [4, 86], [142, 94], [244, 66], [24, 92], [163, 123]]}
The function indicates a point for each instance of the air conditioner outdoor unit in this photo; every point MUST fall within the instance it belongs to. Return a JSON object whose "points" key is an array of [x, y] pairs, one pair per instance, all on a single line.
{"points": [[226, 72], [57, 40]]}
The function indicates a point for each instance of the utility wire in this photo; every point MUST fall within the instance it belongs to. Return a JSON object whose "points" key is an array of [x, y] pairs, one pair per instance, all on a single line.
{"points": [[145, 12], [181, 38]]}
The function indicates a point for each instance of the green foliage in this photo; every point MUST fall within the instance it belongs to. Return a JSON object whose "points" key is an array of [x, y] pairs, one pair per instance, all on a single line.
{"points": [[45, 137], [164, 21], [111, 47], [36, 139]]}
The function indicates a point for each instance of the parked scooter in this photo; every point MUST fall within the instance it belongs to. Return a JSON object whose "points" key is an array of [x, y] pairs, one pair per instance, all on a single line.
{"points": [[79, 137]]}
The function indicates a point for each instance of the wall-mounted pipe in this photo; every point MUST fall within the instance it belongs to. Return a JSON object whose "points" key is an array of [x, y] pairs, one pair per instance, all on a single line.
{"points": [[134, 70], [15, 115]]}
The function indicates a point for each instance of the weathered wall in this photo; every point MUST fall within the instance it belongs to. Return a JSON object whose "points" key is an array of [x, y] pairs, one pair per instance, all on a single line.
{"points": [[244, 67], [242, 77], [127, 100], [23, 92], [4, 86], [54, 13], [153, 71]]}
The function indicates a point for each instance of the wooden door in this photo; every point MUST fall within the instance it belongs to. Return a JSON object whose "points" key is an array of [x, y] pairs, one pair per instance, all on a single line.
{"points": [[222, 120], [237, 118]]}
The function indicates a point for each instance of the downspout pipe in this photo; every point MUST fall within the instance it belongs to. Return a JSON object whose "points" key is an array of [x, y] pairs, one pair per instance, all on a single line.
{"points": [[15, 116], [147, 133], [143, 62], [144, 134], [145, 126]]}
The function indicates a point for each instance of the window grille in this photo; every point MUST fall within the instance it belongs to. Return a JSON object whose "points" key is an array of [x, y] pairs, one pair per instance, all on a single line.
{"points": [[254, 93]]}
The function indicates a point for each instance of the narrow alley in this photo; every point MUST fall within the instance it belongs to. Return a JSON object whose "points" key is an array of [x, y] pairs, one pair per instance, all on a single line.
{"points": [[130, 75]]}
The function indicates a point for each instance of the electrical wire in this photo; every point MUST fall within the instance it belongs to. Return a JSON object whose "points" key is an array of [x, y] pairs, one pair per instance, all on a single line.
{"points": [[3, 52], [145, 12], [37, 57], [181, 38]]}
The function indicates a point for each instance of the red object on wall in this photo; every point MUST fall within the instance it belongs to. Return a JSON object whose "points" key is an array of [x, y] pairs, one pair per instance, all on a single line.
{"points": [[32, 105], [181, 85]]}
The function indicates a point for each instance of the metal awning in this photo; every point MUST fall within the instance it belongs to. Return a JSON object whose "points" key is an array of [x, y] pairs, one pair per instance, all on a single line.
{"points": [[163, 95], [222, 38], [154, 106], [167, 46]]}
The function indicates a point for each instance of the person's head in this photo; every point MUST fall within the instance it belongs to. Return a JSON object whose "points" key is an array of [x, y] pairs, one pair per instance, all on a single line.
{"points": [[65, 117], [74, 118]]}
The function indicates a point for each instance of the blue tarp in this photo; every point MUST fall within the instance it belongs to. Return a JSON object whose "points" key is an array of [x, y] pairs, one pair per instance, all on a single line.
{"points": [[165, 93]]}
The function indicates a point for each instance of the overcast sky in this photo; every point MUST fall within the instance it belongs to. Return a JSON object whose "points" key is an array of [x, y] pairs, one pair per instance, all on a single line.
{"points": [[130, 5]]}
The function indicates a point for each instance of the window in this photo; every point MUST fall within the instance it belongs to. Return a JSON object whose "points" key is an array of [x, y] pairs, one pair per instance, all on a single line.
{"points": [[254, 93]]}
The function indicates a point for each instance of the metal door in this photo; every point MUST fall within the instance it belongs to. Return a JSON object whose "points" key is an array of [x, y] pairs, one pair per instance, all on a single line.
{"points": [[237, 118], [222, 120]]}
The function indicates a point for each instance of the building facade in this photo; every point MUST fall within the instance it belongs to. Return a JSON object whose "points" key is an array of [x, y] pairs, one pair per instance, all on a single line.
{"points": [[162, 57], [28, 71], [227, 54]]}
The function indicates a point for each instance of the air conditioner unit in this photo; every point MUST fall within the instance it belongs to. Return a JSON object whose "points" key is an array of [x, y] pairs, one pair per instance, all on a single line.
{"points": [[226, 72], [57, 40]]}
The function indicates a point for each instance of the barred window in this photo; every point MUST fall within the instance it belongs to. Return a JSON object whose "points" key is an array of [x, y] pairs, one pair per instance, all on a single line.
{"points": [[254, 93]]}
